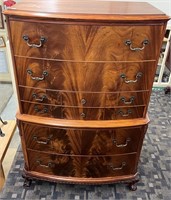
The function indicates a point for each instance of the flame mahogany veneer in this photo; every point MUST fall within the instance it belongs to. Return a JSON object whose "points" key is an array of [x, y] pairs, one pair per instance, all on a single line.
{"points": [[84, 73]]}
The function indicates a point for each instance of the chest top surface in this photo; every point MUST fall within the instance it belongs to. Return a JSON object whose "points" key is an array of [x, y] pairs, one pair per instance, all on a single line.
{"points": [[87, 10]]}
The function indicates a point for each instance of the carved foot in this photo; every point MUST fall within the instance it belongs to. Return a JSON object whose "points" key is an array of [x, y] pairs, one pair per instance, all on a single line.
{"points": [[27, 182], [133, 186]]}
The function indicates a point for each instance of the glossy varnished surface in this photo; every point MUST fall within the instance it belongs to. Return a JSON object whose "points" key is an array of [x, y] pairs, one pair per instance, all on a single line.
{"points": [[79, 166], [82, 141], [86, 42], [82, 10], [77, 87], [85, 77]]}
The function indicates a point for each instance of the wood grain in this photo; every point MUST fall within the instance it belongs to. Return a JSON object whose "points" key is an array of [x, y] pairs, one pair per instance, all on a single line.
{"points": [[81, 141], [75, 76], [86, 42], [79, 166], [89, 10]]}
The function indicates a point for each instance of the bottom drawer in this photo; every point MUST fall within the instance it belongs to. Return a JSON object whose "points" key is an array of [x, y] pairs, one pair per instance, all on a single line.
{"points": [[82, 166]]}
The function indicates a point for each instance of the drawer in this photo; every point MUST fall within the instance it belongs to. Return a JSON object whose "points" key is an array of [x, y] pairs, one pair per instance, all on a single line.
{"points": [[83, 99], [79, 113], [62, 112], [86, 42], [84, 76], [125, 113], [126, 98], [81, 141], [79, 166], [62, 98]]}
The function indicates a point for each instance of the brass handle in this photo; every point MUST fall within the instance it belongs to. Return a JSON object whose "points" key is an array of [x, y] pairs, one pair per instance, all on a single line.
{"points": [[41, 99], [40, 141], [125, 114], [83, 115], [83, 101], [131, 100], [118, 168], [129, 43], [44, 74], [121, 145], [49, 165], [41, 41], [38, 110], [138, 76]]}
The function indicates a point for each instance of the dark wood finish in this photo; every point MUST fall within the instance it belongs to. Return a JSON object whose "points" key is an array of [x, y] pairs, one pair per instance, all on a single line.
{"points": [[80, 69], [82, 141], [79, 166], [86, 42], [59, 97]]}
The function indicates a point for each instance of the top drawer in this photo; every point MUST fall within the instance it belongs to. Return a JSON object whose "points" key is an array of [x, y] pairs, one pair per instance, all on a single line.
{"points": [[86, 42]]}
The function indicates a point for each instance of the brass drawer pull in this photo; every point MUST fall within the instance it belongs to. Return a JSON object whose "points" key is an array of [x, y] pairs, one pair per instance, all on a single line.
{"points": [[83, 101], [129, 43], [121, 145], [49, 165], [38, 110], [118, 168], [83, 115], [45, 73], [40, 141], [41, 99], [131, 100], [125, 114], [138, 76], [41, 41]]}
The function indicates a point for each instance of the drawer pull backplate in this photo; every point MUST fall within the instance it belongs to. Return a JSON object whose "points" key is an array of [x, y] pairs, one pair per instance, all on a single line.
{"points": [[121, 145], [44, 74], [129, 43], [118, 168], [38, 98], [138, 76], [131, 100], [41, 41], [49, 165]]}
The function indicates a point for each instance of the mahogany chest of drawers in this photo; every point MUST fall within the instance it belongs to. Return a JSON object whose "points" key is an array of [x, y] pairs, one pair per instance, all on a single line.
{"points": [[84, 73]]}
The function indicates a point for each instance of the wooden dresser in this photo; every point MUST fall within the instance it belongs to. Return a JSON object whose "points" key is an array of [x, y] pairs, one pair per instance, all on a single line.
{"points": [[84, 72]]}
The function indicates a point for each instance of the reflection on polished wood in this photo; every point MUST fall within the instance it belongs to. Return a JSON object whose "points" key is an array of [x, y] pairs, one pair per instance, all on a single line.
{"points": [[84, 72]]}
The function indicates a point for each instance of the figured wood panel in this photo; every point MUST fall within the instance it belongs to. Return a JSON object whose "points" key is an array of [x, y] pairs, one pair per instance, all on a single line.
{"points": [[85, 99], [80, 113], [89, 76], [82, 141], [79, 166], [86, 42]]}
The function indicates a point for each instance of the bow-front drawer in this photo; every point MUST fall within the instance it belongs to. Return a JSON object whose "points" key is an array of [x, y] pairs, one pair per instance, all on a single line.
{"points": [[86, 42], [90, 142], [79, 166], [83, 99], [80, 113], [89, 76]]}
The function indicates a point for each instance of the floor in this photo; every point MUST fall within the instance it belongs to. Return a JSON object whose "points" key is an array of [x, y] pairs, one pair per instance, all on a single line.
{"points": [[9, 114]]}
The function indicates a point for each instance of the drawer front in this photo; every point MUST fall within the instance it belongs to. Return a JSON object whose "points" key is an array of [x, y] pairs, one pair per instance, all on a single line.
{"points": [[94, 77], [126, 98], [79, 113], [77, 166], [62, 98], [81, 141], [83, 99], [86, 42]]}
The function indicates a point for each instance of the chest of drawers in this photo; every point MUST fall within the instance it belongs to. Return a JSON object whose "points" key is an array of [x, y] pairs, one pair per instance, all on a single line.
{"points": [[84, 73]]}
